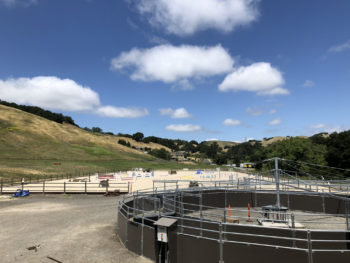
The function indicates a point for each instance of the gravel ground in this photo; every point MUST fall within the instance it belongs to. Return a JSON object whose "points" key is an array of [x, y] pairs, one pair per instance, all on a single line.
{"points": [[68, 228]]}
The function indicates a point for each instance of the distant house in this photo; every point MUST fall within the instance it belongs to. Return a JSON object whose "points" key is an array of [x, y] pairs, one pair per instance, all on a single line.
{"points": [[178, 156]]}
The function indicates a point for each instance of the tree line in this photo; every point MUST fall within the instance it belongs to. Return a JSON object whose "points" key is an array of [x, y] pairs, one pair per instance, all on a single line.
{"points": [[322, 149], [56, 117]]}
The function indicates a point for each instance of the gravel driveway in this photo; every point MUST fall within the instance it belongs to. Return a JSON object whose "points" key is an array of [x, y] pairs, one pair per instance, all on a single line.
{"points": [[68, 228]]}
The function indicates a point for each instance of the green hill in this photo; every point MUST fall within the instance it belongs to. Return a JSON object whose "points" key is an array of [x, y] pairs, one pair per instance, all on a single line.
{"points": [[222, 144], [31, 145]]}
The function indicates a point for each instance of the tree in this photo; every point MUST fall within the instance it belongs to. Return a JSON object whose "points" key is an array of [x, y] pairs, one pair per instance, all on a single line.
{"points": [[124, 135], [299, 149], [165, 142], [160, 153], [189, 147], [221, 159], [138, 136], [246, 152], [97, 130], [320, 138], [339, 150], [56, 117]]}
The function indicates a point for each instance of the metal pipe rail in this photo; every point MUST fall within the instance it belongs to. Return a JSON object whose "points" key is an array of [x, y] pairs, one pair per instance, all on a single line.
{"points": [[67, 187], [202, 230]]}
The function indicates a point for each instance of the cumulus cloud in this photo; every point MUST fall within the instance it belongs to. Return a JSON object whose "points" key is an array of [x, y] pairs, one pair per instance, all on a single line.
{"points": [[261, 78], [231, 122], [340, 48], [308, 83], [121, 112], [184, 17], [170, 64], [61, 94], [275, 121], [180, 113], [49, 92], [183, 128]]}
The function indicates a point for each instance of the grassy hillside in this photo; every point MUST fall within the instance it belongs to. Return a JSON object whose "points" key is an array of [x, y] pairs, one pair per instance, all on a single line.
{"points": [[32, 145], [151, 145], [222, 144], [264, 142]]}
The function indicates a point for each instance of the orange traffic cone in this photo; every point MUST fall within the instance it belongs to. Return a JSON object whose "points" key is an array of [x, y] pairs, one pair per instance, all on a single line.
{"points": [[249, 213], [229, 210]]}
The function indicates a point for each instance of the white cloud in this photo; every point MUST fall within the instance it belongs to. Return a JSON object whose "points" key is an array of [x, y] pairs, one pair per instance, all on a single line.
{"points": [[184, 17], [340, 48], [275, 121], [323, 127], [49, 92], [183, 128], [254, 112], [180, 113], [61, 94], [121, 112], [172, 64], [260, 78], [24, 3], [183, 84], [308, 83], [212, 139], [231, 122], [272, 111]]}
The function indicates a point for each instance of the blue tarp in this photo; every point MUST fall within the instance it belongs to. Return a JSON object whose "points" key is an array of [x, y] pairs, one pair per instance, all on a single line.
{"points": [[21, 193]]}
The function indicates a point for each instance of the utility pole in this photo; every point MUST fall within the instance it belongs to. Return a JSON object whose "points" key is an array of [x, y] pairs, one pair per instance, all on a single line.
{"points": [[277, 176]]}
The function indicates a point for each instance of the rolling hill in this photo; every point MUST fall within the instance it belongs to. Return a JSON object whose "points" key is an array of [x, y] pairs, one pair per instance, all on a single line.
{"points": [[222, 144], [264, 142], [32, 145]]}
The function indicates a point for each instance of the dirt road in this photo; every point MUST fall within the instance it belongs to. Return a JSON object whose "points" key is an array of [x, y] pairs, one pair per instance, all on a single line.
{"points": [[68, 228]]}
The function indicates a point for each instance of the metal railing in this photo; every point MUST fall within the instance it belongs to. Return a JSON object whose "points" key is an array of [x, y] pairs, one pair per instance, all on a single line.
{"points": [[67, 187], [167, 197]]}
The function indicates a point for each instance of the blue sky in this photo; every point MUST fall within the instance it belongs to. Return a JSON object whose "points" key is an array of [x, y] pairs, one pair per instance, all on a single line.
{"points": [[201, 69]]}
